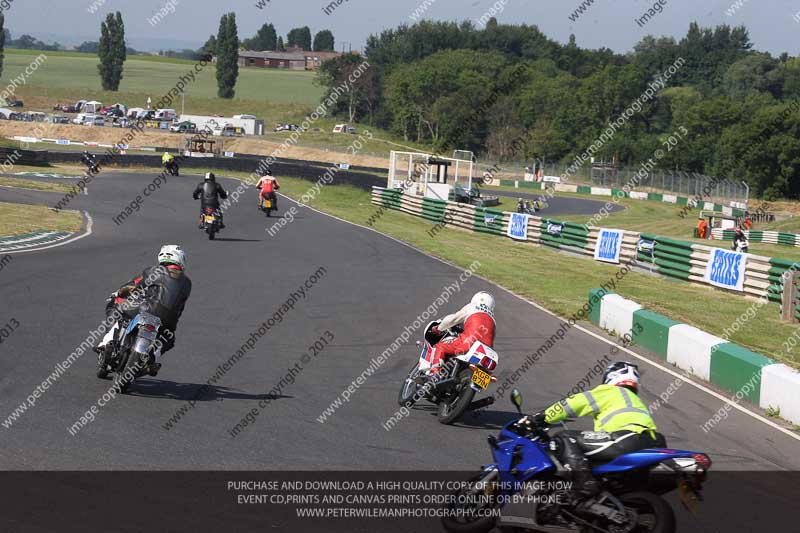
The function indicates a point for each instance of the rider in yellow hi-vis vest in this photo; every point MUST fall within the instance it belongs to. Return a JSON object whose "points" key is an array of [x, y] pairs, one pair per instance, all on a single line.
{"points": [[622, 424]]}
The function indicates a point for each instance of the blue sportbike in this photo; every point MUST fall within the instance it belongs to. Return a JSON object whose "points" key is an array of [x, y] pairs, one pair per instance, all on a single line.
{"points": [[527, 487]]}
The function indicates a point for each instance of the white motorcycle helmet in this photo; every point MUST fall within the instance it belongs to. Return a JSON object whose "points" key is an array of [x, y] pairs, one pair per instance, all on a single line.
{"points": [[483, 301], [172, 254], [622, 374]]}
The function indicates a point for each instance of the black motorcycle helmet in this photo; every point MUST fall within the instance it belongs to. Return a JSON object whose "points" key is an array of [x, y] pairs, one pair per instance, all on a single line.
{"points": [[210, 176]]}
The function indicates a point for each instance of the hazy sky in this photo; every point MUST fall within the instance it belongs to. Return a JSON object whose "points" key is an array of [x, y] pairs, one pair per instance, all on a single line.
{"points": [[608, 23]]}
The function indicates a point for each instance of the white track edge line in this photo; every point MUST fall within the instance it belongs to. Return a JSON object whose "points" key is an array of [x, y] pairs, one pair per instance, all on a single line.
{"points": [[86, 233]]}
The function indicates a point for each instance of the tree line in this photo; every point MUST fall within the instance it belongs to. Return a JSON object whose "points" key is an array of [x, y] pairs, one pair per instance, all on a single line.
{"points": [[739, 106]]}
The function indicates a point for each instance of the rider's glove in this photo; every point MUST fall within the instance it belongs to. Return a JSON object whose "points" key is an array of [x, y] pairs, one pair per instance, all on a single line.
{"points": [[538, 419], [435, 330]]}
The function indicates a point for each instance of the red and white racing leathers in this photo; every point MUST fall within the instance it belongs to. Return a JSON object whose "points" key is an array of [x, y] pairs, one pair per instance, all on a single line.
{"points": [[478, 326]]}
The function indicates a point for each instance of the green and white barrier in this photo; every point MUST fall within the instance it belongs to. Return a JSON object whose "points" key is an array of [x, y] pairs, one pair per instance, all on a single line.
{"points": [[746, 374], [755, 275], [767, 237], [732, 210]]}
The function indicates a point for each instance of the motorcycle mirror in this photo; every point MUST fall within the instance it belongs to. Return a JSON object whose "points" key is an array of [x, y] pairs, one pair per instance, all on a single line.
{"points": [[516, 399]]}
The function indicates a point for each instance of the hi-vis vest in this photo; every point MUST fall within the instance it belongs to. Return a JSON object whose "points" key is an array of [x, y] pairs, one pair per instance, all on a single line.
{"points": [[614, 409]]}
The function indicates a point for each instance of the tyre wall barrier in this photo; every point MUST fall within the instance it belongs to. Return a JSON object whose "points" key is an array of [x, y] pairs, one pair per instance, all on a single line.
{"points": [[747, 375], [674, 258]]}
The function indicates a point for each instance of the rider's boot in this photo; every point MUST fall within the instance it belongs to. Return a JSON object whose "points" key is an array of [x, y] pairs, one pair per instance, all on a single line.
{"points": [[583, 482]]}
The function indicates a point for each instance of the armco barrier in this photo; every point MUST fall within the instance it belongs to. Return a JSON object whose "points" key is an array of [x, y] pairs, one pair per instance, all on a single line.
{"points": [[745, 374], [669, 257]]}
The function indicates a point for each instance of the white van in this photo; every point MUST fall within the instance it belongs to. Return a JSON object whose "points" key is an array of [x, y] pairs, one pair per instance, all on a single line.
{"points": [[344, 128], [133, 112], [88, 119], [92, 107], [166, 114]]}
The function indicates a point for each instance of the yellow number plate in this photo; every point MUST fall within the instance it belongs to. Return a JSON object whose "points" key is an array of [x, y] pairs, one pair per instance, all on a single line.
{"points": [[267, 204], [688, 497], [481, 378], [209, 218]]}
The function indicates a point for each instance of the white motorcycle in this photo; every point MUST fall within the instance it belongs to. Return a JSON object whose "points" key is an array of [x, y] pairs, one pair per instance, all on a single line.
{"points": [[454, 386]]}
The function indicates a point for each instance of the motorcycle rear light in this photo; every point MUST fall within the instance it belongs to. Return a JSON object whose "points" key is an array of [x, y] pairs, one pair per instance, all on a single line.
{"points": [[488, 363], [703, 460], [149, 327]]}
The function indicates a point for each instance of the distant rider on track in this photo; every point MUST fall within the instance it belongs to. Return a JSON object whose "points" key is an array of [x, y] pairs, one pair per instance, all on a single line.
{"points": [[267, 186], [209, 192]]}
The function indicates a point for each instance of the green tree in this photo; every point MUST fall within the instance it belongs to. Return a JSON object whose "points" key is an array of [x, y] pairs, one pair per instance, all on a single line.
{"points": [[209, 49], [227, 56], [299, 37], [266, 38], [324, 41], [280, 47], [111, 51]]}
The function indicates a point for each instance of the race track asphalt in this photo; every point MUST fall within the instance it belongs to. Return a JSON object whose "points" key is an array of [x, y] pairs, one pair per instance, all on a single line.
{"points": [[371, 289], [562, 205]]}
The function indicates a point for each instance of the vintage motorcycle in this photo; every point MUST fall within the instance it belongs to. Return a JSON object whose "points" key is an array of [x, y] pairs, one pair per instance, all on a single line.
{"points": [[454, 386]]}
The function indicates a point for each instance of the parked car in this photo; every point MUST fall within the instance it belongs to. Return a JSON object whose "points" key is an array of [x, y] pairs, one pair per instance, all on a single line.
{"points": [[5, 114], [287, 127], [57, 119], [14, 103], [183, 127], [232, 131], [88, 119], [37, 116], [165, 114], [120, 122], [344, 128]]}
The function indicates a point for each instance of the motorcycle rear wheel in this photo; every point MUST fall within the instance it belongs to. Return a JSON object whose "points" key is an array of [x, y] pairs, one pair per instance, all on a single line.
{"points": [[658, 515], [451, 411]]}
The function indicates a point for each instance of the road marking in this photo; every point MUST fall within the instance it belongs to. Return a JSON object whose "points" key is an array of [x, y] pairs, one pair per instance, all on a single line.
{"points": [[89, 223], [576, 326]]}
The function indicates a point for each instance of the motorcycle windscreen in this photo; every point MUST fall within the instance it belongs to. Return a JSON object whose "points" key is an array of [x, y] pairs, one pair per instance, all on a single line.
{"points": [[640, 459]]}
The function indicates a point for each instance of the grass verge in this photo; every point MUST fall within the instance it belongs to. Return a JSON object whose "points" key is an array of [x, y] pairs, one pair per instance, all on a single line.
{"points": [[22, 218], [22, 183]]}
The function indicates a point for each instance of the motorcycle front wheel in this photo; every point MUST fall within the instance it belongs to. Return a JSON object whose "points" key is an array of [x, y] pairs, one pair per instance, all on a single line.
{"points": [[409, 388], [125, 377], [475, 521], [455, 405]]}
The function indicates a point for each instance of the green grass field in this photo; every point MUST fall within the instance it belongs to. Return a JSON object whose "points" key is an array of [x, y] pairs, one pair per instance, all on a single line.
{"points": [[155, 76]]}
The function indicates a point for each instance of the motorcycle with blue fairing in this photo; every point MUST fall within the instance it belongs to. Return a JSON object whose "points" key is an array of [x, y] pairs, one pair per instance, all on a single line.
{"points": [[526, 487]]}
